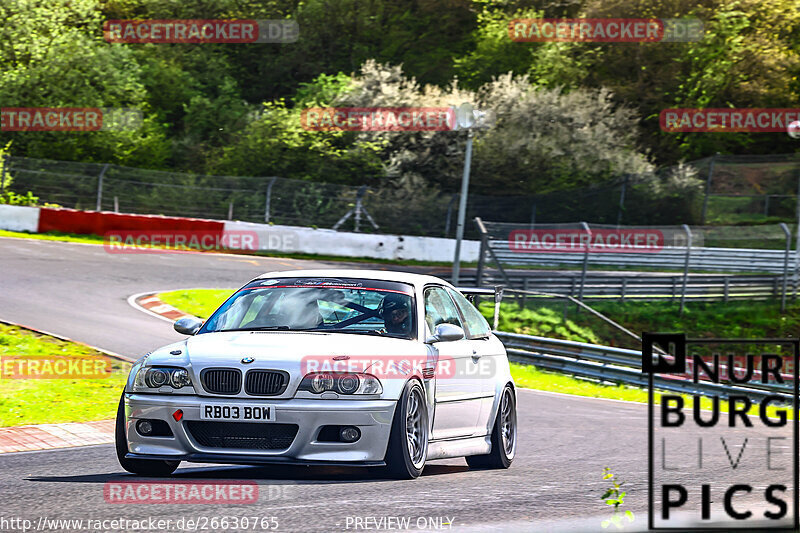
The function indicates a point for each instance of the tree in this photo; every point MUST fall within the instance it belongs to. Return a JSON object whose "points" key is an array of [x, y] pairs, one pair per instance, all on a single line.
{"points": [[53, 56]]}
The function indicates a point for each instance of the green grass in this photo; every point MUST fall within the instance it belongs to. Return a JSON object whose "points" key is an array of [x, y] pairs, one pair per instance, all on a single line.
{"points": [[530, 377], [198, 302], [40, 401], [54, 236], [740, 319]]}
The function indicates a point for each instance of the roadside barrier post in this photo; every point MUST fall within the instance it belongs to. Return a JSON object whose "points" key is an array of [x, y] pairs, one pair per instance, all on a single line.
{"points": [[3, 175], [788, 233], [585, 227], [708, 187], [100, 188], [686, 264], [621, 207], [481, 252], [797, 243], [268, 199]]}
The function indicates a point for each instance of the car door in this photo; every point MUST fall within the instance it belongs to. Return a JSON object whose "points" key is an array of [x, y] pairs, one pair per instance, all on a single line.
{"points": [[458, 394], [488, 355]]}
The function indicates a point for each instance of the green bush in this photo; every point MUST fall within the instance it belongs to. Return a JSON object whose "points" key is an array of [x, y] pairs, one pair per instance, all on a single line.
{"points": [[12, 198]]}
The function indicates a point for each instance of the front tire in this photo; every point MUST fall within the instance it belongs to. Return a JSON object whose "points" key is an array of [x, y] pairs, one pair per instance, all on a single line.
{"points": [[142, 467], [504, 435], [408, 441]]}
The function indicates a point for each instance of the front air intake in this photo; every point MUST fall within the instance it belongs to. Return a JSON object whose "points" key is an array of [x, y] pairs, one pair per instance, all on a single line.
{"points": [[221, 380], [265, 382]]}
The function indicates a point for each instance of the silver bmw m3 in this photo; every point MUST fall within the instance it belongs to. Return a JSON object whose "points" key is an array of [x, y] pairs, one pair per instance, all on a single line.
{"points": [[329, 367]]}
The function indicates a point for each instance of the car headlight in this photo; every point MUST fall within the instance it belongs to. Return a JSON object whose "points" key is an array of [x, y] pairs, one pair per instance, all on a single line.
{"points": [[341, 382], [157, 377]]}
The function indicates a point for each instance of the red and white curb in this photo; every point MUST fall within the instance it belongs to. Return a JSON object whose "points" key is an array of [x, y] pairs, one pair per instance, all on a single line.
{"points": [[150, 303], [51, 436]]}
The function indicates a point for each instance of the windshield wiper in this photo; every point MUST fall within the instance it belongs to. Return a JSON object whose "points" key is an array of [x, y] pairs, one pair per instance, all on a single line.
{"points": [[260, 328]]}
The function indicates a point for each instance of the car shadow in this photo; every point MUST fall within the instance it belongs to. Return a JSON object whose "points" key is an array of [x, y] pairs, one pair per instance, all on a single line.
{"points": [[279, 475]]}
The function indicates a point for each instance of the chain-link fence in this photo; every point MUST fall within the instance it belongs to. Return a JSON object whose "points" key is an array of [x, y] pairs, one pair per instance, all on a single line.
{"points": [[737, 190], [750, 188]]}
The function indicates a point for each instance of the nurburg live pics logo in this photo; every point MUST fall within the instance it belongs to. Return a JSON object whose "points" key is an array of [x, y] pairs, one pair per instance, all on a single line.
{"points": [[711, 470]]}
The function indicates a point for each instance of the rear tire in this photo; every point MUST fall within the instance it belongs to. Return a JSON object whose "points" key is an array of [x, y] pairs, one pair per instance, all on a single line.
{"points": [[504, 435], [142, 467], [408, 441]]}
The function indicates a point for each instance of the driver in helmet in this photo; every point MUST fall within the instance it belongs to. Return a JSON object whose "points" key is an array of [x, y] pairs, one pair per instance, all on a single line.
{"points": [[396, 314]]}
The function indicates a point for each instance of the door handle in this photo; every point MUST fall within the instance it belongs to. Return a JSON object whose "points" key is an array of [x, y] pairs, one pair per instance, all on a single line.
{"points": [[475, 355]]}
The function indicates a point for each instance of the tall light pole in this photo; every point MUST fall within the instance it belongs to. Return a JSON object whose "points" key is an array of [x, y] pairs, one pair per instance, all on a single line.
{"points": [[462, 209], [467, 118]]}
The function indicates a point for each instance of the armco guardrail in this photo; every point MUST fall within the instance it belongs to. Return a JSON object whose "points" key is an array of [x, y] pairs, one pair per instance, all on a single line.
{"points": [[618, 365], [508, 246], [716, 259], [645, 286]]}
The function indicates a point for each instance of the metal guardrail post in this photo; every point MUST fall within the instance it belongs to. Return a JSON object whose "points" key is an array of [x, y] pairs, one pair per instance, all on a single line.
{"points": [[585, 259], [621, 207], [525, 288], [797, 243], [100, 187], [481, 251], [686, 265], [498, 297], [788, 233], [708, 187], [484, 234], [268, 199], [3, 175]]}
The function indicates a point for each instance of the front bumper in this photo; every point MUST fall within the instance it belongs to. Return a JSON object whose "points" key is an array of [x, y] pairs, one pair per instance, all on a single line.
{"points": [[372, 417]]}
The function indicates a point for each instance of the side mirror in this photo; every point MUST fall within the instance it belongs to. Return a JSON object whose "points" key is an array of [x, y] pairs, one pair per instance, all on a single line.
{"points": [[187, 325], [446, 333]]}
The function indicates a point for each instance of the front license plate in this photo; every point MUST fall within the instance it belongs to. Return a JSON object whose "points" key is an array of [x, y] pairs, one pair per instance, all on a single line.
{"points": [[254, 413]]}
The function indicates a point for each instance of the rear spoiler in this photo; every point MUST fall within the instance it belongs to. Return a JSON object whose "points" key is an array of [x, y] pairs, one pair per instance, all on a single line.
{"points": [[472, 293]]}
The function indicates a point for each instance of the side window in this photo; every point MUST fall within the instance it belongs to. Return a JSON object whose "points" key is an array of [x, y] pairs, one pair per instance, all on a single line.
{"points": [[439, 308], [477, 326]]}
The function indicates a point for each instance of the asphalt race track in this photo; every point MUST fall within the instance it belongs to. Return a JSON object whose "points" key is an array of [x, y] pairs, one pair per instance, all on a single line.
{"points": [[80, 291]]}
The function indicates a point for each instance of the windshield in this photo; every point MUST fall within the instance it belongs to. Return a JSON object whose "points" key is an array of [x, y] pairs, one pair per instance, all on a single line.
{"points": [[346, 305]]}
